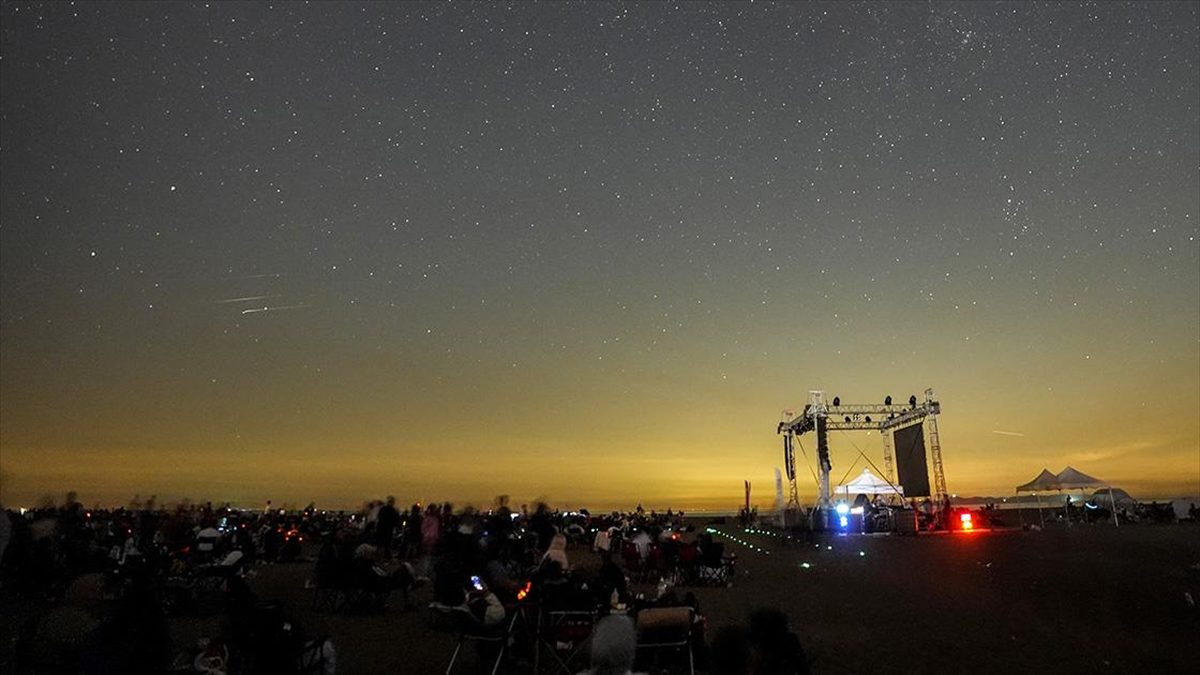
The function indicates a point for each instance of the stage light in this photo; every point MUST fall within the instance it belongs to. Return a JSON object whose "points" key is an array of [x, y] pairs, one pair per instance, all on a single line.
{"points": [[965, 519], [837, 400], [842, 509], [843, 521], [887, 400]]}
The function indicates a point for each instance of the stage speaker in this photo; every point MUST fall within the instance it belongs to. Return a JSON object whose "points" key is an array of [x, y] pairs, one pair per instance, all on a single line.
{"points": [[823, 443], [910, 460]]}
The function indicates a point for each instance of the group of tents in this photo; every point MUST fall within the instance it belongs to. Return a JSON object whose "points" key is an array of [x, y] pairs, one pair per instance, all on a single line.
{"points": [[1102, 494], [1072, 479], [1067, 480]]}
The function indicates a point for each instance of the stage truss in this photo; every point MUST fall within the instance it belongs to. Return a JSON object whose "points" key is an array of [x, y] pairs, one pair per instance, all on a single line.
{"points": [[885, 418]]}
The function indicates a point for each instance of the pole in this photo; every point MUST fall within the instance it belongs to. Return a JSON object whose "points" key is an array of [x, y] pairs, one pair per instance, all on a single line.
{"points": [[1041, 516], [1112, 504]]}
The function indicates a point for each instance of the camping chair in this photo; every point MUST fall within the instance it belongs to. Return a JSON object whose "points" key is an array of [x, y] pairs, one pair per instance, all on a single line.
{"points": [[661, 628], [269, 642], [713, 567], [656, 562], [316, 657], [689, 554], [633, 560], [334, 580], [460, 620], [565, 634], [351, 585]]}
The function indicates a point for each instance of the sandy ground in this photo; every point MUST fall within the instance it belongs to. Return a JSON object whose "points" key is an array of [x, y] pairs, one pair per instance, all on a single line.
{"points": [[1077, 600]]}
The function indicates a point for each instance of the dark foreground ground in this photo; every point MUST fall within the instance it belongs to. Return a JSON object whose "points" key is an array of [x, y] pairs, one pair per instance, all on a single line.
{"points": [[1079, 600]]}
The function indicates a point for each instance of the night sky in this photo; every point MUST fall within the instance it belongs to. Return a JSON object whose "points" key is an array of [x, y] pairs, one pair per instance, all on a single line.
{"points": [[590, 251]]}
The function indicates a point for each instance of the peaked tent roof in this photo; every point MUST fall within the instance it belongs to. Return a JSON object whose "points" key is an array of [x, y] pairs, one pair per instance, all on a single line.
{"points": [[868, 483], [1044, 481], [1073, 479], [1107, 496]]}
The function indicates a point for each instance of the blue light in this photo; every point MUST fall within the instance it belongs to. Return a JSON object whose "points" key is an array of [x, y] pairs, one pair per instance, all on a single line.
{"points": [[843, 521], [842, 509]]}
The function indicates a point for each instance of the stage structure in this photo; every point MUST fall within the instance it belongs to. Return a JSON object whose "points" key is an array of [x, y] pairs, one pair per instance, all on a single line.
{"points": [[909, 423]]}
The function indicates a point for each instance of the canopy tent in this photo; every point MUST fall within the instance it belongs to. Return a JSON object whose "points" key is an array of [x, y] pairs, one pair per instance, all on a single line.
{"points": [[868, 483], [1045, 481], [1073, 479], [1069, 478]]}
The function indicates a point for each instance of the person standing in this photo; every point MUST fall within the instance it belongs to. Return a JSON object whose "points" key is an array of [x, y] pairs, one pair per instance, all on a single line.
{"points": [[385, 527], [430, 532], [412, 533]]}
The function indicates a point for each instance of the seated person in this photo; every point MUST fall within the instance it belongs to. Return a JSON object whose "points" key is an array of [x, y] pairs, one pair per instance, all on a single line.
{"points": [[614, 646], [557, 552], [484, 605], [503, 573]]}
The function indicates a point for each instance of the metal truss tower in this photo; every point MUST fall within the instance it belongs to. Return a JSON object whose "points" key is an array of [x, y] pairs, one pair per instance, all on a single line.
{"points": [[820, 417]]}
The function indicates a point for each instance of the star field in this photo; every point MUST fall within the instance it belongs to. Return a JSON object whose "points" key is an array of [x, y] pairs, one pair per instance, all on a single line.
{"points": [[453, 249]]}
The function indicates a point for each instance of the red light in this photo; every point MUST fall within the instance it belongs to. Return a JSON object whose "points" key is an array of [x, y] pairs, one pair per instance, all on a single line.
{"points": [[524, 591], [966, 521]]}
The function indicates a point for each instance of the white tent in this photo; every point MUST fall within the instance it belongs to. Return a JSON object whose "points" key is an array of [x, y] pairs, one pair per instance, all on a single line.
{"points": [[868, 483], [1183, 506], [1044, 482], [1105, 499], [1073, 479], [1069, 478]]}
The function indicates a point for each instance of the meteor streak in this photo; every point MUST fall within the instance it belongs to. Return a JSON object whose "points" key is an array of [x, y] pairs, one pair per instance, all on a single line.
{"points": [[277, 308], [245, 299]]}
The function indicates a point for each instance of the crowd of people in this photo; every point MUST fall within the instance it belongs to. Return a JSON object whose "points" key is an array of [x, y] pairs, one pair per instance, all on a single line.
{"points": [[111, 579]]}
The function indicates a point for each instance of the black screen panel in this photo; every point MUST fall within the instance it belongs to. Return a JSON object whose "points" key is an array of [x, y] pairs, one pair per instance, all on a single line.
{"points": [[910, 460]]}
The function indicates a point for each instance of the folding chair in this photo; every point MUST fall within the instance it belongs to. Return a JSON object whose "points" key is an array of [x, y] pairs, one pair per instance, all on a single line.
{"points": [[460, 620], [667, 628], [565, 634], [632, 558], [316, 657], [656, 562], [335, 586], [714, 568], [689, 553]]}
